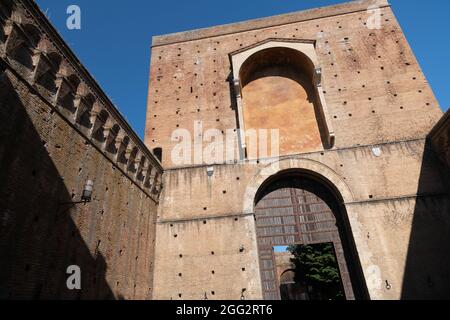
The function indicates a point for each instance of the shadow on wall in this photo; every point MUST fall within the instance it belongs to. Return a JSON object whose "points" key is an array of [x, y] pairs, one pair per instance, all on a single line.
{"points": [[38, 238], [428, 260]]}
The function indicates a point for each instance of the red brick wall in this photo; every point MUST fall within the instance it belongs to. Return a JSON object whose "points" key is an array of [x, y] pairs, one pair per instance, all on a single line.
{"points": [[373, 85], [45, 163]]}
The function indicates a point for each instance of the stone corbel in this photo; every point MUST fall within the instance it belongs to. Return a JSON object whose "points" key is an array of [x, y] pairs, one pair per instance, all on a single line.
{"points": [[147, 174], [317, 77], [45, 45], [138, 164], [107, 127], [158, 185], [150, 179], [80, 107], [326, 120], [107, 132], [93, 118], [65, 69], [35, 57], [82, 89], [237, 88], [95, 111], [241, 134], [8, 27], [331, 139], [128, 152], [119, 144], [144, 170]]}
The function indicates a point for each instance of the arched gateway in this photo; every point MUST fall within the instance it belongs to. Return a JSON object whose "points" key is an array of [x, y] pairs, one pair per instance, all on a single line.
{"points": [[294, 205]]}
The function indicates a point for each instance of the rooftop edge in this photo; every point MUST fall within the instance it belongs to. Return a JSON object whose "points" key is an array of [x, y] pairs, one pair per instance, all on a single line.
{"points": [[266, 22]]}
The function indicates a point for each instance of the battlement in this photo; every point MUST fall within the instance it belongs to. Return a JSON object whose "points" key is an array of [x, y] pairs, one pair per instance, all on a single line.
{"points": [[35, 51]]}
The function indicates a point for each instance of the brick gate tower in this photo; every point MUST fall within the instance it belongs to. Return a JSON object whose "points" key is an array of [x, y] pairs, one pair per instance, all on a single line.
{"points": [[347, 111], [312, 128]]}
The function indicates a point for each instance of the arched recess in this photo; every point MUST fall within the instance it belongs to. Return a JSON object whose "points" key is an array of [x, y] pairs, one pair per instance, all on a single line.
{"points": [[19, 47], [122, 150], [46, 69], [32, 33], [98, 126], [110, 139], [84, 108], [287, 276], [294, 203], [278, 86], [134, 152], [289, 290]]}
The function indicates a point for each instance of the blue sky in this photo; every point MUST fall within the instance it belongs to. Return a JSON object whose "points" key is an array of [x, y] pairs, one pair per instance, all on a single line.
{"points": [[115, 37], [280, 249]]}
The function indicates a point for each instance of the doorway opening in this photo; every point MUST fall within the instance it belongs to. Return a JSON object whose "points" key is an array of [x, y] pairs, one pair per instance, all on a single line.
{"points": [[300, 214], [308, 272]]}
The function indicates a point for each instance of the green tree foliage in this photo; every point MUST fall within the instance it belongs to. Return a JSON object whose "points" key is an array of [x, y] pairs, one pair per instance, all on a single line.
{"points": [[316, 268]]}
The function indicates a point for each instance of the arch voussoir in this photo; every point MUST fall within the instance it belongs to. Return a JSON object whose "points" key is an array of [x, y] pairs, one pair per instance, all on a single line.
{"points": [[310, 166]]}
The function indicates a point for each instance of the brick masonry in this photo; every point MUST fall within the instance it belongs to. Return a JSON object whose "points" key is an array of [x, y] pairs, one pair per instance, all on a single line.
{"points": [[394, 188], [189, 231], [374, 87], [51, 144]]}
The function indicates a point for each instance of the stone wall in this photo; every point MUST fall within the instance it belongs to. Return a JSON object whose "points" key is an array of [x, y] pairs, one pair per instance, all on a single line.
{"points": [[393, 188], [374, 88], [58, 130], [395, 196]]}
